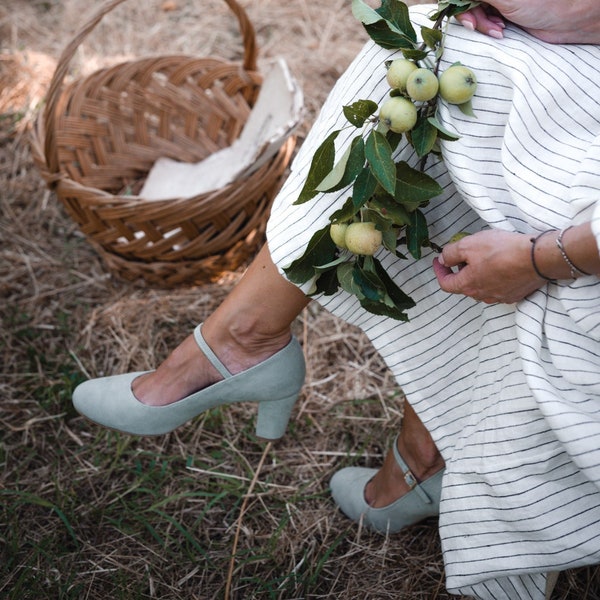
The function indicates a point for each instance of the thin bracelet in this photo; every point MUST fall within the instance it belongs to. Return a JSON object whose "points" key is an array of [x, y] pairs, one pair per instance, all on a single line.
{"points": [[575, 271], [533, 241]]}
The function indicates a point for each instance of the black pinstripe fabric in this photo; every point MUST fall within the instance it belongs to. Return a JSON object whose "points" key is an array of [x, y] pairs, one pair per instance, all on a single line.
{"points": [[510, 393]]}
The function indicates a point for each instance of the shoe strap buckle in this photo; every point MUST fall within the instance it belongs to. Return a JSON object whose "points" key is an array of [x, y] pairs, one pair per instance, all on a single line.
{"points": [[410, 479]]}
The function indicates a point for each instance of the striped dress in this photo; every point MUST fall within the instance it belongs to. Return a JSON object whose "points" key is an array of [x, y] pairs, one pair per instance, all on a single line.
{"points": [[510, 393]]}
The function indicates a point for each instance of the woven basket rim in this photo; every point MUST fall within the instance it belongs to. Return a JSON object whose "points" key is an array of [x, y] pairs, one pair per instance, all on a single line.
{"points": [[56, 88]]}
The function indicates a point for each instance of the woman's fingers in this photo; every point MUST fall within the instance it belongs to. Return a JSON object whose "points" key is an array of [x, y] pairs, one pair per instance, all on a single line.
{"points": [[446, 277], [483, 21], [453, 254]]}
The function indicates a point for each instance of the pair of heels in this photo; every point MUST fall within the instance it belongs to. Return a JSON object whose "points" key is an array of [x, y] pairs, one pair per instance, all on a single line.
{"points": [[420, 502], [275, 384]]}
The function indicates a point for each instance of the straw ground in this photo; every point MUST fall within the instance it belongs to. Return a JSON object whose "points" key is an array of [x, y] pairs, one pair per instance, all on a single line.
{"points": [[207, 511]]}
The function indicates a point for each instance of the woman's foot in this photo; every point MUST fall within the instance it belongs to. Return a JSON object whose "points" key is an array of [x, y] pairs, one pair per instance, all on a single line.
{"points": [[188, 370], [273, 383], [406, 490]]}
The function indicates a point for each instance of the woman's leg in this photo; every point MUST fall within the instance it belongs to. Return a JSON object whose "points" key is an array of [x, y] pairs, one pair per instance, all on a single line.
{"points": [[417, 448], [251, 324]]}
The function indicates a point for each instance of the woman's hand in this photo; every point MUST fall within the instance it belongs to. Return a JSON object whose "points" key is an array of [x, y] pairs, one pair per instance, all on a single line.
{"points": [[554, 21], [490, 266]]}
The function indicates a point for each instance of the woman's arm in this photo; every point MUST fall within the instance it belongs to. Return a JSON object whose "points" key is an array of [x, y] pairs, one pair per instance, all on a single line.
{"points": [[554, 21], [500, 266]]}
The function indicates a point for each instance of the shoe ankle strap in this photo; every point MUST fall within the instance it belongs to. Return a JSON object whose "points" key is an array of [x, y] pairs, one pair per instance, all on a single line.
{"points": [[212, 357], [410, 479]]}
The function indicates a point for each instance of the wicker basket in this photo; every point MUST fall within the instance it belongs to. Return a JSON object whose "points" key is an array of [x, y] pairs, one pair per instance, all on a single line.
{"points": [[98, 137]]}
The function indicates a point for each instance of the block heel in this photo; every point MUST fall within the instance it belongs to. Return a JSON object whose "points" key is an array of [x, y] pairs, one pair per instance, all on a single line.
{"points": [[273, 417]]}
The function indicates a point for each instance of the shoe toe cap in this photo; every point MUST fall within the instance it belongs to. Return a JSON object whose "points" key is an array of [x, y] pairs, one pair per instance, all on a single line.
{"points": [[105, 399], [348, 490]]}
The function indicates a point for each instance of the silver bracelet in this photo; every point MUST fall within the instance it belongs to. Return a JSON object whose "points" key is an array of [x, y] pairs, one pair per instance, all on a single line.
{"points": [[575, 271]]}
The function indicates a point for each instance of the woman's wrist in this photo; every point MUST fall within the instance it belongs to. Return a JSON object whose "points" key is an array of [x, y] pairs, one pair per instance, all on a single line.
{"points": [[564, 254]]}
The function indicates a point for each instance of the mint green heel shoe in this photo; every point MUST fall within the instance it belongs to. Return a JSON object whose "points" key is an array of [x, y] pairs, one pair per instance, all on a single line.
{"points": [[274, 384], [422, 501]]}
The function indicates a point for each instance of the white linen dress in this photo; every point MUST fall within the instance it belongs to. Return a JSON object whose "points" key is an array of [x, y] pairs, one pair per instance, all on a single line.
{"points": [[510, 393]]}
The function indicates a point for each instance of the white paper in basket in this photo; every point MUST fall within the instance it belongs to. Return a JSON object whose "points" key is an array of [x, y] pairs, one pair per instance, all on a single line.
{"points": [[273, 118]]}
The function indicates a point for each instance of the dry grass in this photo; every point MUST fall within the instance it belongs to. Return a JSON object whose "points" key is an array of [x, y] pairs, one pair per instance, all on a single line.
{"points": [[87, 513]]}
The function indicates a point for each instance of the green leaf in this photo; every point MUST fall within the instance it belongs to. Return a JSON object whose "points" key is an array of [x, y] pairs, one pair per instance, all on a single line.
{"points": [[394, 139], [390, 239], [381, 308], [331, 264], [413, 187], [423, 136], [400, 299], [453, 7], [319, 251], [382, 222], [384, 297], [321, 164], [414, 54], [327, 283], [467, 108], [385, 37], [431, 37], [443, 133], [367, 280], [387, 206], [364, 13], [345, 275], [344, 214], [390, 23], [379, 155], [396, 14], [347, 169], [358, 112], [417, 234], [364, 187]]}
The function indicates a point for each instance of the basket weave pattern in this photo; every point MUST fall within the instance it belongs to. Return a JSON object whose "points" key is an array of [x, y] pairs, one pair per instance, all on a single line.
{"points": [[99, 136]]}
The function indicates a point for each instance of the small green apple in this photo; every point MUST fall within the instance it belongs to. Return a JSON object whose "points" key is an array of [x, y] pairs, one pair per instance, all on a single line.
{"points": [[337, 231], [399, 114], [398, 73], [363, 238], [457, 84], [458, 236], [422, 85]]}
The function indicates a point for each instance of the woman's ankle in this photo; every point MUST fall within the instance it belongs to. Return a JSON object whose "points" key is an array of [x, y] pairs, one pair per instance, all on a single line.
{"points": [[244, 342], [389, 482], [417, 447], [418, 450], [421, 456]]}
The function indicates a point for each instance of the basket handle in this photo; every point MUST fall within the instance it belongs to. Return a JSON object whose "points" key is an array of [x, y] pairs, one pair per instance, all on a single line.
{"points": [[53, 95]]}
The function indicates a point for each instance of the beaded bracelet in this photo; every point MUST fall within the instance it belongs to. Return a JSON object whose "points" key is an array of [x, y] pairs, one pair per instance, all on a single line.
{"points": [[575, 271], [533, 241]]}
